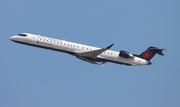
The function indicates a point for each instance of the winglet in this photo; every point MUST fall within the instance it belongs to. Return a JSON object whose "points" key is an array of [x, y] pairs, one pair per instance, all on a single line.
{"points": [[109, 46]]}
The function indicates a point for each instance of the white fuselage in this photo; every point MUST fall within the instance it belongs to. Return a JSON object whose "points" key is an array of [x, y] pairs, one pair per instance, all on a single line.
{"points": [[74, 48]]}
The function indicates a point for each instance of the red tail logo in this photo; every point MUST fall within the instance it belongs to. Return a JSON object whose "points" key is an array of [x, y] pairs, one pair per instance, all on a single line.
{"points": [[147, 55]]}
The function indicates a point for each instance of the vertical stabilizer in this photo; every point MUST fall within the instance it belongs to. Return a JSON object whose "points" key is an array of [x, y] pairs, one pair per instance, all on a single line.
{"points": [[150, 53]]}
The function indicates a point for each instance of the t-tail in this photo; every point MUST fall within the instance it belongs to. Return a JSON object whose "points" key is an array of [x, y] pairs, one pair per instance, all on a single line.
{"points": [[151, 52]]}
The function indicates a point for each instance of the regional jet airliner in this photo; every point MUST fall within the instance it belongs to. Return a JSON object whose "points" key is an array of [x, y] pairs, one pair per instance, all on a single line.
{"points": [[87, 53]]}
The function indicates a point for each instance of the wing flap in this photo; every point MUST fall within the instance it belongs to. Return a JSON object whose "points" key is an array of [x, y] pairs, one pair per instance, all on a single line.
{"points": [[87, 60]]}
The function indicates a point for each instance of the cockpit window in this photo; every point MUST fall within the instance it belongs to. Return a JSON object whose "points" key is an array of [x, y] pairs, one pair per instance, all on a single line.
{"points": [[21, 34]]}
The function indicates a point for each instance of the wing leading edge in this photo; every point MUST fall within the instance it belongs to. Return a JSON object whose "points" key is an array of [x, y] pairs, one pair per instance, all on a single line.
{"points": [[95, 53], [86, 56]]}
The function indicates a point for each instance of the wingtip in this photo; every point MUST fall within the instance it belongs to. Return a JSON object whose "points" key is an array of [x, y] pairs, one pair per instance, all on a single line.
{"points": [[109, 46]]}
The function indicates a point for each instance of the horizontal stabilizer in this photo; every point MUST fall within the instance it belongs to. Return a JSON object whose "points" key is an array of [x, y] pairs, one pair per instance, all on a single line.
{"points": [[159, 51]]}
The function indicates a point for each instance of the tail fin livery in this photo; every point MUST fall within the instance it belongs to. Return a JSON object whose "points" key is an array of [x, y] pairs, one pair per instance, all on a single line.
{"points": [[150, 52]]}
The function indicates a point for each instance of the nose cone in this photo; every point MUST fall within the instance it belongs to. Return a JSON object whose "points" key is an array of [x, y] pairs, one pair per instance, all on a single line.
{"points": [[12, 38]]}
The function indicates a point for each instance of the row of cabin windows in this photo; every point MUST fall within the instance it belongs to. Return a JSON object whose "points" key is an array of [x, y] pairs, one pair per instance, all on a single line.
{"points": [[51, 40]]}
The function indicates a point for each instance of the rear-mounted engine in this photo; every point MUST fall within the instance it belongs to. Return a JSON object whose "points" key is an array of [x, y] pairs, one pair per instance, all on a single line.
{"points": [[125, 54]]}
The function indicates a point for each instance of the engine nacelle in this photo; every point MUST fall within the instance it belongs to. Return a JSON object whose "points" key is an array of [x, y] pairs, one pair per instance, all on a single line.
{"points": [[125, 54]]}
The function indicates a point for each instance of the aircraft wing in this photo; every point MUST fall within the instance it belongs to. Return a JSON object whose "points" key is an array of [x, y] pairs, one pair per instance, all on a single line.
{"points": [[93, 54]]}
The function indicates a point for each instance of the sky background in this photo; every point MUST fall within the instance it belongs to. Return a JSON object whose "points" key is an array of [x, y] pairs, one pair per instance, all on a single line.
{"points": [[34, 77]]}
